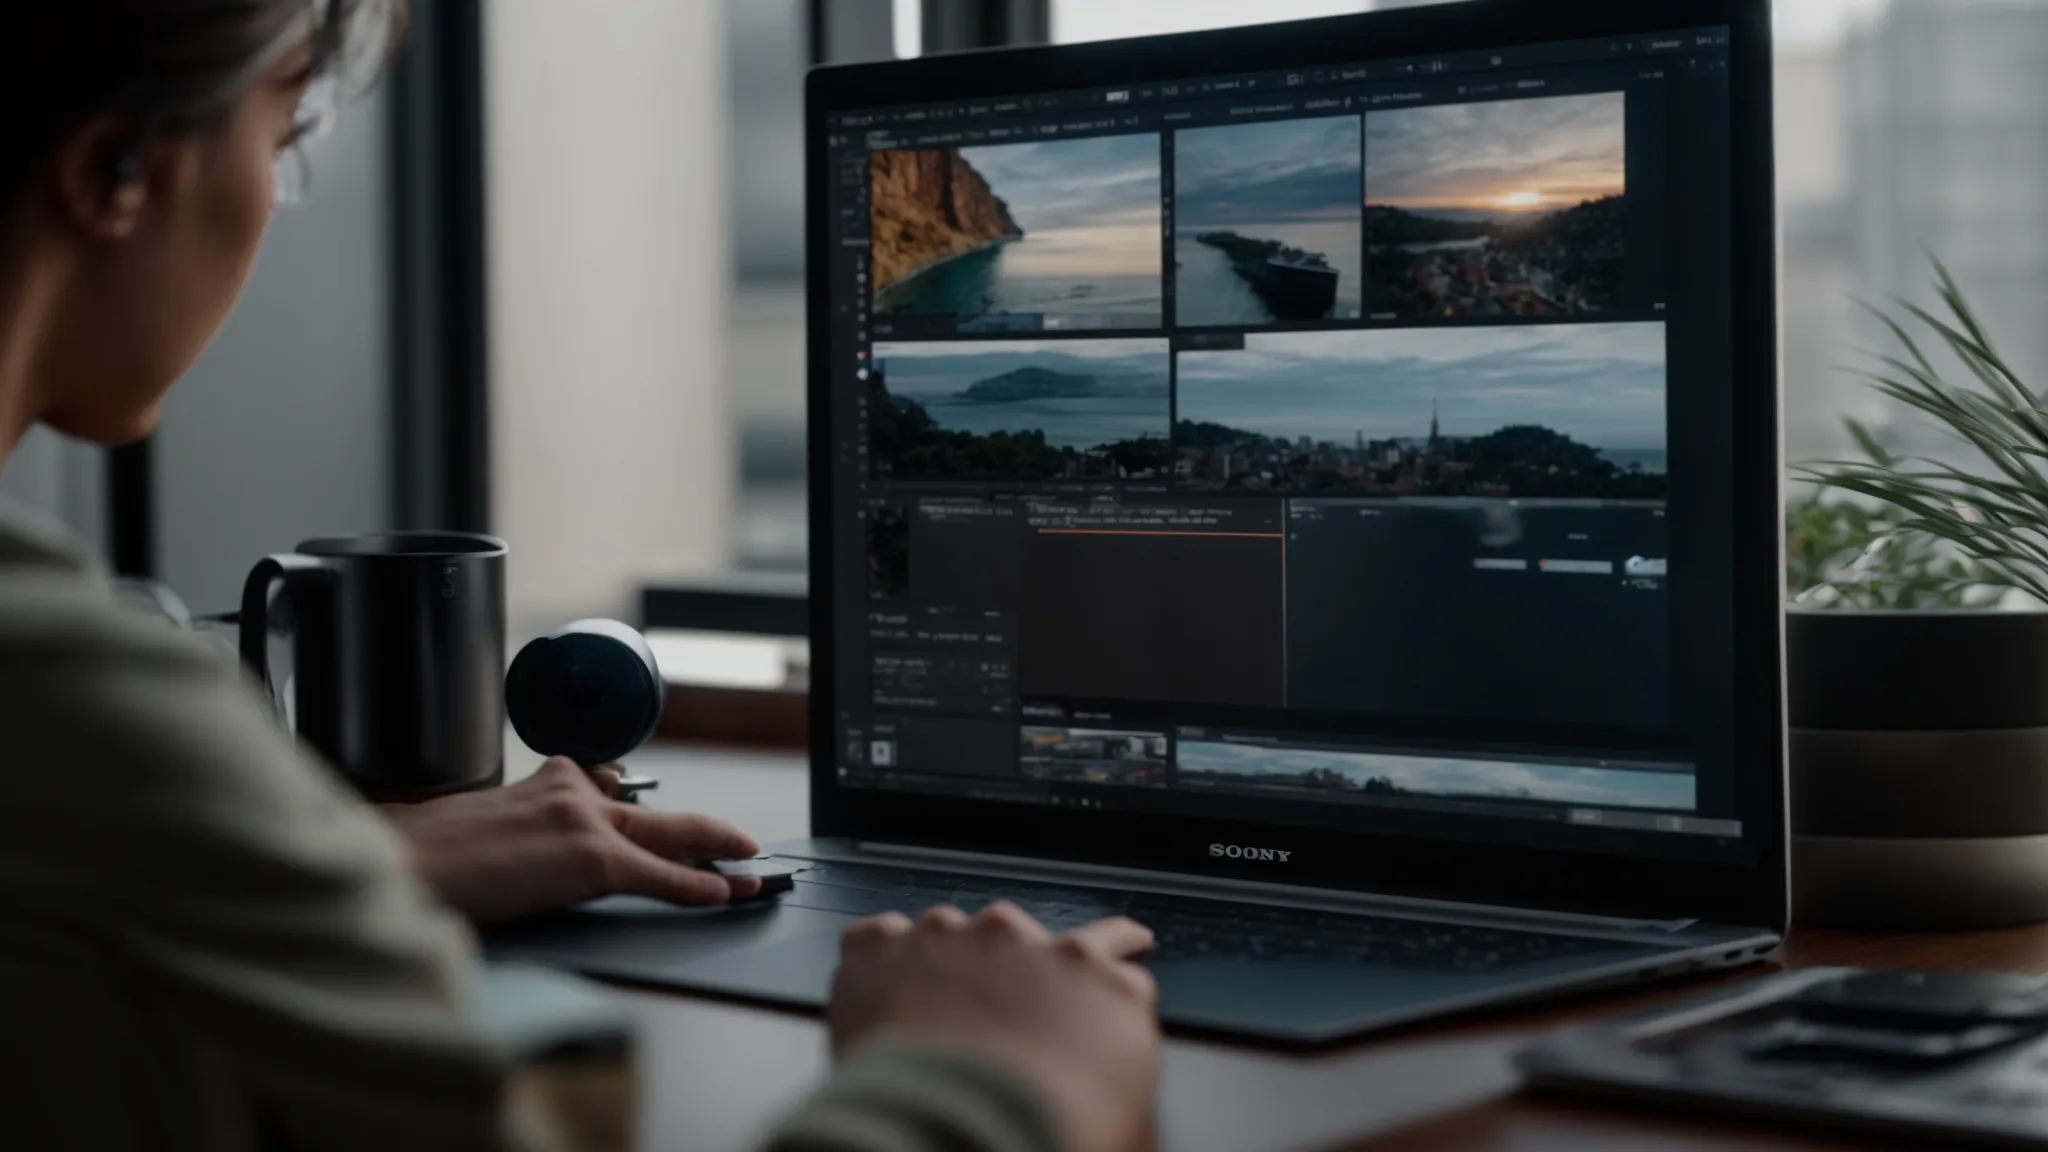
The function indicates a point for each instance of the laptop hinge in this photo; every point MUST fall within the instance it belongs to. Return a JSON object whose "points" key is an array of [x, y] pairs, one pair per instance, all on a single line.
{"points": [[1183, 884]]}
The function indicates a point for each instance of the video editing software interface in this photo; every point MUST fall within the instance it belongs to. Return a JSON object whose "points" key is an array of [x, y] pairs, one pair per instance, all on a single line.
{"points": [[1340, 447]]}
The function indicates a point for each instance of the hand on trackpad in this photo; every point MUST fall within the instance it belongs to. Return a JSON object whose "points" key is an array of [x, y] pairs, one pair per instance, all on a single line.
{"points": [[776, 874]]}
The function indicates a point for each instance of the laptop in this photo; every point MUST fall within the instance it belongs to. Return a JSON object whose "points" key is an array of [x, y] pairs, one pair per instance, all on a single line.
{"points": [[1312, 488]]}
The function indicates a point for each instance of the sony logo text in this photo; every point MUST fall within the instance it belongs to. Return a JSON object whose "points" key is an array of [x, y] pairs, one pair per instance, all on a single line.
{"points": [[1240, 852]]}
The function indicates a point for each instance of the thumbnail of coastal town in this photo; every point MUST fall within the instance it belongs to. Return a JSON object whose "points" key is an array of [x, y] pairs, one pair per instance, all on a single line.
{"points": [[1497, 208], [1555, 411]]}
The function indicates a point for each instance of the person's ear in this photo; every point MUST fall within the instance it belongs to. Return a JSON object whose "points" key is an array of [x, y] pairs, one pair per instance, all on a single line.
{"points": [[102, 178]]}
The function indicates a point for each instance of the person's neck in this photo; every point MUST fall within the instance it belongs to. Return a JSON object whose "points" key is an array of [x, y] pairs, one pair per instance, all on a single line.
{"points": [[24, 316]]}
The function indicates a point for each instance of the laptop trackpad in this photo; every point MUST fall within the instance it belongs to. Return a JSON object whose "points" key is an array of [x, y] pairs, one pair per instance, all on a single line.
{"points": [[625, 938], [797, 970]]}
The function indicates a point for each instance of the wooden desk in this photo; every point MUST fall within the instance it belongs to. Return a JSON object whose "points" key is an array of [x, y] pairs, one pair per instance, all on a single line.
{"points": [[718, 1074]]}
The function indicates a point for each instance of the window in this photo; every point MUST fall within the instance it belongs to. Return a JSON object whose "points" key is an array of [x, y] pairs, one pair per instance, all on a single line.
{"points": [[770, 48], [1904, 127], [770, 44], [1076, 20]]}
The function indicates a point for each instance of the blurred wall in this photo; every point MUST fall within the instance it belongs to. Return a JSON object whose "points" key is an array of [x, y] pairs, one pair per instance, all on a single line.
{"points": [[1947, 123], [612, 453]]}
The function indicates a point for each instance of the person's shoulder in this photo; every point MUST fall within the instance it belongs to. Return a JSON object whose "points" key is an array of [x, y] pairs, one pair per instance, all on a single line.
{"points": [[118, 719], [56, 603], [89, 683], [52, 620]]}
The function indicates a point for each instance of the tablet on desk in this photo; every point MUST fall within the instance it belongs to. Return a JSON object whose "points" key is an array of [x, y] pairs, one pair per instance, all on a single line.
{"points": [[1949, 1059]]}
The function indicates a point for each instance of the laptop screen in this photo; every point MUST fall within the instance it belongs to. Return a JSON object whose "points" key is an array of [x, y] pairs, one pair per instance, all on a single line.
{"points": [[1342, 446]]}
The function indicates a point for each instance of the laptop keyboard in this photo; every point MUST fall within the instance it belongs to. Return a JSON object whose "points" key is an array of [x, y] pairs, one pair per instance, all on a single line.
{"points": [[1191, 928]]}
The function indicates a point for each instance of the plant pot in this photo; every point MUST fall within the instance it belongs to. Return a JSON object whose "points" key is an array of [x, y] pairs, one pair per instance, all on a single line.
{"points": [[1918, 768]]}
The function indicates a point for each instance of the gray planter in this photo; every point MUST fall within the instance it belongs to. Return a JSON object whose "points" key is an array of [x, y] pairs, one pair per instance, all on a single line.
{"points": [[1919, 768]]}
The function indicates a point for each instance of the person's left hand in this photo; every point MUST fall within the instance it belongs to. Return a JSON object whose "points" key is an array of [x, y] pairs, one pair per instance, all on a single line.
{"points": [[558, 838]]}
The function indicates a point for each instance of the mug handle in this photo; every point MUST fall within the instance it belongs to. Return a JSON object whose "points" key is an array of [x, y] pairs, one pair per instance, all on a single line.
{"points": [[269, 572]]}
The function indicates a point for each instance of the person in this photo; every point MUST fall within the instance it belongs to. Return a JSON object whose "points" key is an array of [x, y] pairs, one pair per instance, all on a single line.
{"points": [[206, 940]]}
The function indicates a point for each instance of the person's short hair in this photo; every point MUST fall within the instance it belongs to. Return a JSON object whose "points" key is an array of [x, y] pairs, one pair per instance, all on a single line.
{"points": [[168, 66]]}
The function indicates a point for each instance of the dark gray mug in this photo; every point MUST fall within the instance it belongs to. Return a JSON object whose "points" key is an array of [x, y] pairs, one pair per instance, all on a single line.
{"points": [[398, 655]]}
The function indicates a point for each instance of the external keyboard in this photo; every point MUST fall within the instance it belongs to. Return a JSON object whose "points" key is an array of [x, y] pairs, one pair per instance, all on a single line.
{"points": [[1190, 927]]}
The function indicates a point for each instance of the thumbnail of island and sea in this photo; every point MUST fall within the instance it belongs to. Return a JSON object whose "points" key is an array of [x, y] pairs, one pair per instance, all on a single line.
{"points": [[1027, 237], [1021, 410]]}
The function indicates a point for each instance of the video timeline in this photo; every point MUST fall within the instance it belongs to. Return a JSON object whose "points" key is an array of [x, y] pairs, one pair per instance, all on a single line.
{"points": [[1104, 763], [1077, 599], [1094, 756], [1338, 773]]}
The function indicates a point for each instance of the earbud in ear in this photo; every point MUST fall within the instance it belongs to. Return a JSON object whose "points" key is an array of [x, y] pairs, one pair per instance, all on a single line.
{"points": [[125, 169], [125, 193]]}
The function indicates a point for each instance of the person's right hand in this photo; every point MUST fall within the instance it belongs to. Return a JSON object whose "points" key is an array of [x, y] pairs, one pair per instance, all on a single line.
{"points": [[559, 838], [1069, 1015]]}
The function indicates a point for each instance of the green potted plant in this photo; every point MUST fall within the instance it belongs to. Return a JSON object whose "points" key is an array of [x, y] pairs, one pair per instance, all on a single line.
{"points": [[1917, 652]]}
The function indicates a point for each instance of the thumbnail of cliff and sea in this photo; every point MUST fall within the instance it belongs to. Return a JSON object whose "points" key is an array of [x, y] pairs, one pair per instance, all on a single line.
{"points": [[929, 206]]}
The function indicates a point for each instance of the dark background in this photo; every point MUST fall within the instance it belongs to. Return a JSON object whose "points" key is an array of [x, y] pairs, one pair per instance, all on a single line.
{"points": [[1196, 618], [1386, 613]]}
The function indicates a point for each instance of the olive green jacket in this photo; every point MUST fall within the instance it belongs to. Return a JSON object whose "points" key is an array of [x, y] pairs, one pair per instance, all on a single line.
{"points": [[207, 941]]}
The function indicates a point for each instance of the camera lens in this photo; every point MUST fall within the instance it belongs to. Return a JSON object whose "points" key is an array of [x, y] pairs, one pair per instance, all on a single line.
{"points": [[591, 692]]}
